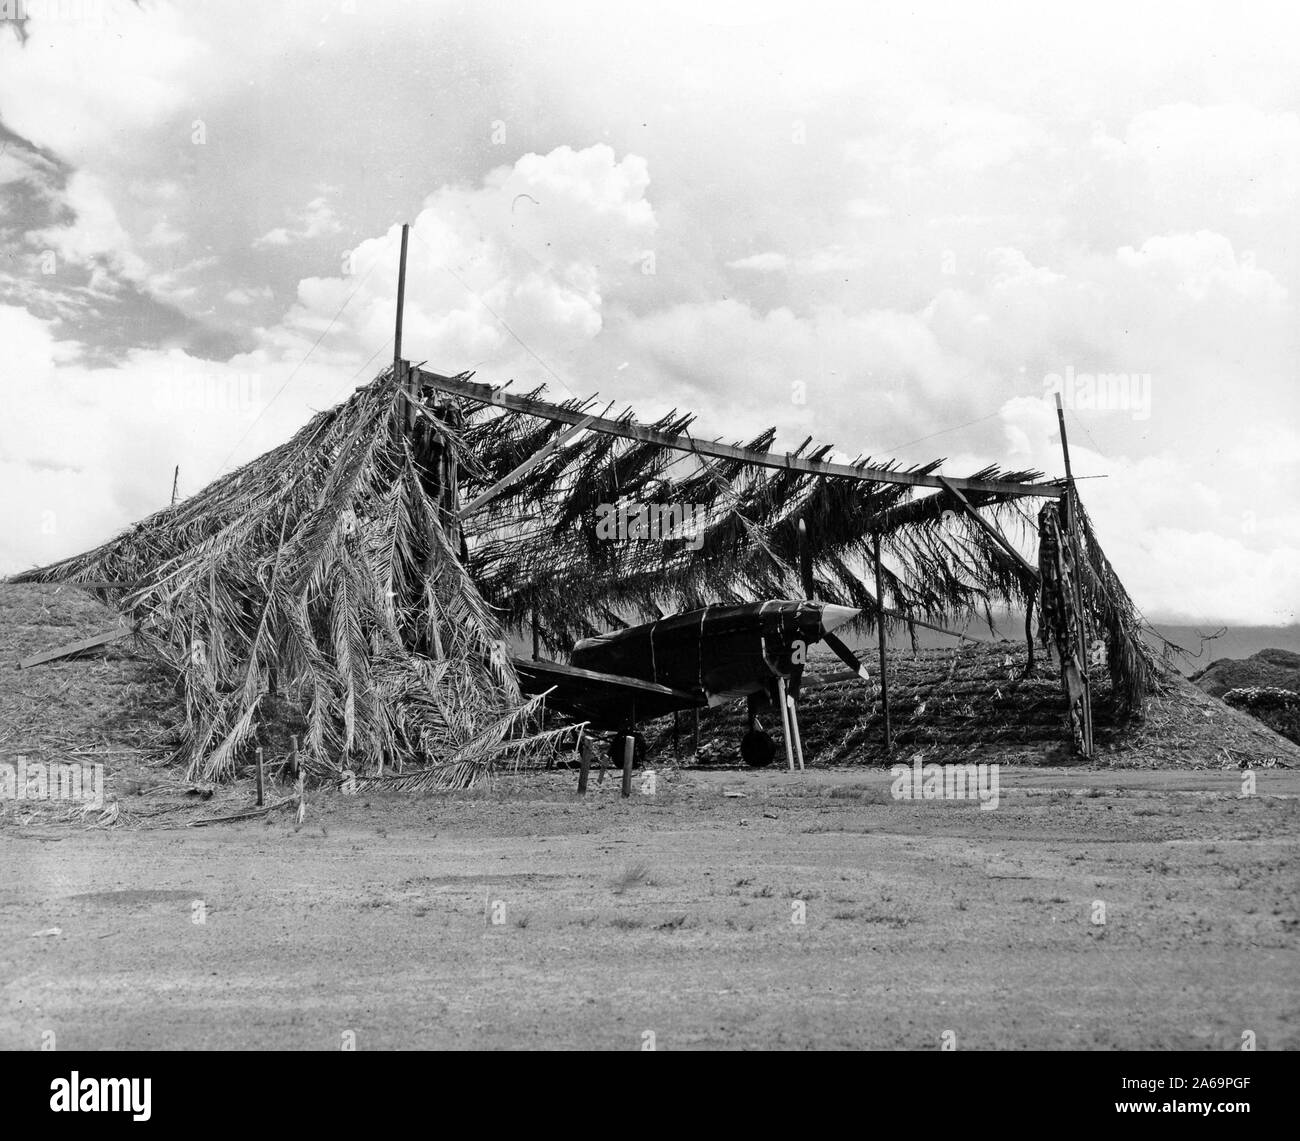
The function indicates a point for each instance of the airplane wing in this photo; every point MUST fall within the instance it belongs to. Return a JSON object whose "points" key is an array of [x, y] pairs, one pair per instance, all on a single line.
{"points": [[609, 701]]}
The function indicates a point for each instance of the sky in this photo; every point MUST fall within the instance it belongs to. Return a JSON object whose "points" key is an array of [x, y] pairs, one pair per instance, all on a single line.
{"points": [[901, 229]]}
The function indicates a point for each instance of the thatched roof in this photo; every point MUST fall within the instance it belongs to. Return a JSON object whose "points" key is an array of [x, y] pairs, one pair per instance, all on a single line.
{"points": [[317, 583], [536, 549]]}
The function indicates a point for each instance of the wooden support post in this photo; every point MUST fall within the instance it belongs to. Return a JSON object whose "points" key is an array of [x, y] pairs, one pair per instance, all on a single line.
{"points": [[785, 722], [793, 706], [584, 762], [537, 639], [805, 563], [884, 665], [261, 778], [629, 750], [294, 763], [1029, 634], [1070, 500], [695, 743], [176, 483]]}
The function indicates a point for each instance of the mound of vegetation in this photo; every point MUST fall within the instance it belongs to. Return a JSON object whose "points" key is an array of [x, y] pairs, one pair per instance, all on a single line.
{"points": [[1278, 708], [1272, 669]]}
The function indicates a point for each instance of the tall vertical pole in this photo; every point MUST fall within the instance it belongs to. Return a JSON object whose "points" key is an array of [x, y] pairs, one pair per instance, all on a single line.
{"points": [[805, 563], [880, 632], [1072, 532], [399, 366], [176, 483]]}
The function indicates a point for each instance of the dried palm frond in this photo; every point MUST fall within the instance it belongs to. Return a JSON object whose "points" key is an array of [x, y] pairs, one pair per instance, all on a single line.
{"points": [[318, 579]]}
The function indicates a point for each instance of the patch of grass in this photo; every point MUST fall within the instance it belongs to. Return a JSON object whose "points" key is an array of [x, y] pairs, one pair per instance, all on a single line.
{"points": [[869, 793], [636, 875], [623, 923]]}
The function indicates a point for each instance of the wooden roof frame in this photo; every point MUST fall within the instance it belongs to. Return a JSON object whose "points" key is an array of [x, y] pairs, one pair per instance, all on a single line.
{"points": [[487, 394]]}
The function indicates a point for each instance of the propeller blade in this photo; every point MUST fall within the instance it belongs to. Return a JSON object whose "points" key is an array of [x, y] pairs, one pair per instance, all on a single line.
{"points": [[846, 656]]}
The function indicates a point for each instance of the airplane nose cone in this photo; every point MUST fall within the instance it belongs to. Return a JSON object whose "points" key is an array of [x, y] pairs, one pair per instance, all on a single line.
{"points": [[835, 616]]}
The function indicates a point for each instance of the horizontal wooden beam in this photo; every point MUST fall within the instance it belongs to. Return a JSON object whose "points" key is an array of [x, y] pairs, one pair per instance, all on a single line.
{"points": [[486, 394]]}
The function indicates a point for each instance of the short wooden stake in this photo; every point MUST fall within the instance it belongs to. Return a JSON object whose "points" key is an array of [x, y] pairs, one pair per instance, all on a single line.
{"points": [[584, 762], [629, 748], [261, 779]]}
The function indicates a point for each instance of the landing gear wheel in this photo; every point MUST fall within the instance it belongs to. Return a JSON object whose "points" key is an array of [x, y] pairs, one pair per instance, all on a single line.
{"points": [[757, 749]]}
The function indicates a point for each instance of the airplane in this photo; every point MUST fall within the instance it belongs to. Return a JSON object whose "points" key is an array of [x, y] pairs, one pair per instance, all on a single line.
{"points": [[697, 659]]}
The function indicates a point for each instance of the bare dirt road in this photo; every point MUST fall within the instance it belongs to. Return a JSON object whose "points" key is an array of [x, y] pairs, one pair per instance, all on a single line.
{"points": [[522, 917]]}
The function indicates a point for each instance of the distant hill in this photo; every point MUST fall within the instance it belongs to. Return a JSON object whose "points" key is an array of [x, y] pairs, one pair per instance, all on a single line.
{"points": [[1278, 669]]}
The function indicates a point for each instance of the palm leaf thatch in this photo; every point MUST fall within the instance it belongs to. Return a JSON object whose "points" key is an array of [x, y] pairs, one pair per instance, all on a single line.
{"points": [[537, 552], [1107, 612], [319, 581]]}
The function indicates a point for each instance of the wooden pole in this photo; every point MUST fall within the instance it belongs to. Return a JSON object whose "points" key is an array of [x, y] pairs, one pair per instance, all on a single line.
{"points": [[261, 779], [805, 563], [294, 756], [1029, 634], [794, 729], [991, 531], [537, 639], [880, 631], [1072, 533], [695, 742], [1065, 444], [785, 722], [629, 748], [401, 297], [176, 483], [584, 762], [481, 501], [399, 366]]}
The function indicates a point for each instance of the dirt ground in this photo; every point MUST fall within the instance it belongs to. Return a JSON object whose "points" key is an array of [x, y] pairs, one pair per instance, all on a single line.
{"points": [[525, 917]]}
